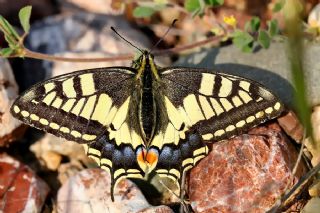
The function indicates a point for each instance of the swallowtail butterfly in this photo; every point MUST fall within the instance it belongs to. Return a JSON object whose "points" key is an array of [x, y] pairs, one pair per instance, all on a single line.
{"points": [[134, 120]]}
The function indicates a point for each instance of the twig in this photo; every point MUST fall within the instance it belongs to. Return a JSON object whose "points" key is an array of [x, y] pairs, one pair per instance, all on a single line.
{"points": [[182, 48], [36, 55], [31, 54]]}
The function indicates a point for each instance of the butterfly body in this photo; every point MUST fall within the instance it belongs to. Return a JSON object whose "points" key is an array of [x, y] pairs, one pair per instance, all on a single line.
{"points": [[134, 120]]}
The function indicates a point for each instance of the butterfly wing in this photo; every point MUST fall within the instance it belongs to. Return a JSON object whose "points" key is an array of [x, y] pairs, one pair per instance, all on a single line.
{"points": [[97, 108], [199, 107]]}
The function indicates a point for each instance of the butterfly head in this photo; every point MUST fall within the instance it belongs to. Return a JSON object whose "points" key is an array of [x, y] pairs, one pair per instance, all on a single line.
{"points": [[147, 158], [145, 63]]}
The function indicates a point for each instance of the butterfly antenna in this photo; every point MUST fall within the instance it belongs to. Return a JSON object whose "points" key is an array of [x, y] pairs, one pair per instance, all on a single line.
{"points": [[112, 28], [164, 35]]}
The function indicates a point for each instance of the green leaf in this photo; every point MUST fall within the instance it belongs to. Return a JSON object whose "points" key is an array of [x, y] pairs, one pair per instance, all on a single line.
{"points": [[214, 2], [192, 5], [24, 17], [6, 52], [243, 41], [247, 48], [255, 24], [11, 42], [143, 12], [247, 26], [278, 6], [264, 39], [8, 29], [273, 27]]}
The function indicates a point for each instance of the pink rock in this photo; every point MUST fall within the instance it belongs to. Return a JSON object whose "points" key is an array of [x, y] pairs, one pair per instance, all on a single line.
{"points": [[10, 128], [156, 209], [89, 191], [244, 174], [20, 189], [292, 126]]}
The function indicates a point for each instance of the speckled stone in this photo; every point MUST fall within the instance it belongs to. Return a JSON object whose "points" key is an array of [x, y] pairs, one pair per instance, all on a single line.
{"points": [[89, 191], [20, 189], [157, 209], [244, 174]]}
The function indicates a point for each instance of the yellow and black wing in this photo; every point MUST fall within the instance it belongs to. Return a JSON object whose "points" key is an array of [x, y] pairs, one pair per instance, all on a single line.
{"points": [[76, 106], [97, 108], [199, 107]]}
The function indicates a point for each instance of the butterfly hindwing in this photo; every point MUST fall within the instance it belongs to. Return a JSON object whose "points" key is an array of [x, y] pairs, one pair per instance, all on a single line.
{"points": [[200, 107]]}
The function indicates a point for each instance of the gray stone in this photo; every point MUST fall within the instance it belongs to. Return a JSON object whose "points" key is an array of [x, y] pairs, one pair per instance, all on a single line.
{"points": [[270, 67], [79, 33]]}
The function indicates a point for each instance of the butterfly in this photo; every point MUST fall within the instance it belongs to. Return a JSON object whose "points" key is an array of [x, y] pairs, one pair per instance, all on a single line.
{"points": [[143, 118]]}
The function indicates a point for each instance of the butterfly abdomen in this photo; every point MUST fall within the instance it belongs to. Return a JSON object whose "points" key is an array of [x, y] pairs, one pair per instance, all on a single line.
{"points": [[147, 106]]}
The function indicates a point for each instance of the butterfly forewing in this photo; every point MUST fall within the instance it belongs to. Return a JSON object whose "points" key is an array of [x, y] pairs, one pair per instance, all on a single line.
{"points": [[77, 106], [217, 105]]}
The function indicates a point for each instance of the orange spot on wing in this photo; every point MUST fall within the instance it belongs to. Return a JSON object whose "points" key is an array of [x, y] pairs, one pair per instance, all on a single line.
{"points": [[152, 157]]}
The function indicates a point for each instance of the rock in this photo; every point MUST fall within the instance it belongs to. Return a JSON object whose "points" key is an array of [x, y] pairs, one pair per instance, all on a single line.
{"points": [[50, 150], [157, 209], [313, 150], [292, 126], [312, 206], [77, 35], [245, 174], [314, 190], [315, 120], [52, 160], [89, 191], [20, 189], [93, 6], [313, 146], [314, 16], [67, 170], [51, 143], [10, 128], [270, 67]]}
